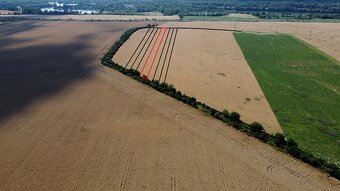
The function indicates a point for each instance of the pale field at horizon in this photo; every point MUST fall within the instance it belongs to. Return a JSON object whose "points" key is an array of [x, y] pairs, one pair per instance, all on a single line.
{"points": [[240, 15]]}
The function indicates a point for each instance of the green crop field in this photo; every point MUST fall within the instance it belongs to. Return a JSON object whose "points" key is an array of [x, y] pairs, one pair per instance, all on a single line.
{"points": [[302, 85]]}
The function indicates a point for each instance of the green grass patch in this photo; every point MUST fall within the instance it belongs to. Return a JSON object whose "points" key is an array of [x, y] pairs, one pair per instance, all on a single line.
{"points": [[302, 85]]}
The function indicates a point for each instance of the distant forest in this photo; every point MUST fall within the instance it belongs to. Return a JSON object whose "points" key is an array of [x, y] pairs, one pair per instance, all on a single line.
{"points": [[301, 9]]}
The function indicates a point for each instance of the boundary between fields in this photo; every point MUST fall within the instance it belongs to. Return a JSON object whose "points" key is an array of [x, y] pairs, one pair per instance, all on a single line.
{"points": [[232, 119]]}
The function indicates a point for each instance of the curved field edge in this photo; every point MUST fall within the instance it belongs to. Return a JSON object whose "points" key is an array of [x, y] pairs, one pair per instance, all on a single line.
{"points": [[232, 119], [302, 86]]}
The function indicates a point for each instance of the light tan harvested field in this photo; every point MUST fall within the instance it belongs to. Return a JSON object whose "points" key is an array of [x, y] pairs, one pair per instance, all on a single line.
{"points": [[241, 15], [69, 123], [210, 66], [6, 12], [324, 36], [97, 17]]}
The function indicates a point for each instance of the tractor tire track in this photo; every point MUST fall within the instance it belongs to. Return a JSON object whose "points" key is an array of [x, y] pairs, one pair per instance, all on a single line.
{"points": [[131, 152], [269, 173], [173, 154], [275, 163], [294, 173], [106, 122], [219, 160], [217, 153]]}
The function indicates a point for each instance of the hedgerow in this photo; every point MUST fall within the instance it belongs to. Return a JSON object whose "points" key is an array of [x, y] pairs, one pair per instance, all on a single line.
{"points": [[232, 119]]}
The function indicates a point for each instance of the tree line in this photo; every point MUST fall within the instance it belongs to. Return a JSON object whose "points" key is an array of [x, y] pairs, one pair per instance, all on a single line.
{"points": [[298, 9]]}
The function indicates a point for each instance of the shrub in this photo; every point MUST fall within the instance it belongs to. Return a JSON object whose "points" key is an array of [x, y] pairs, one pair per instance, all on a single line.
{"points": [[178, 97], [171, 94], [212, 111], [335, 173], [313, 161], [304, 156], [279, 140], [262, 136], [193, 99], [135, 72], [333, 170], [294, 151], [234, 116], [291, 143], [256, 127], [225, 112], [156, 82], [271, 142], [219, 115], [236, 125]]}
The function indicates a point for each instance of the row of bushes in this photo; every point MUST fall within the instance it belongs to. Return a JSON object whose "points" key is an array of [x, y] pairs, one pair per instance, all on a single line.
{"points": [[233, 119]]}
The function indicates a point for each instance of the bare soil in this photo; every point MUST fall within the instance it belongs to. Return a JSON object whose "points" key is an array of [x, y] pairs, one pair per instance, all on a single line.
{"points": [[69, 123]]}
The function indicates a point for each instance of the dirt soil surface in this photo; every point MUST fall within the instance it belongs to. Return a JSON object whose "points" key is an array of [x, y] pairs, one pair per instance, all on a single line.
{"points": [[210, 66], [69, 123], [324, 36]]}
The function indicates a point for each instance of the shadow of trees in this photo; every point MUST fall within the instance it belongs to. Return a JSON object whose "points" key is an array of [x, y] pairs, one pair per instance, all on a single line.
{"points": [[32, 72]]}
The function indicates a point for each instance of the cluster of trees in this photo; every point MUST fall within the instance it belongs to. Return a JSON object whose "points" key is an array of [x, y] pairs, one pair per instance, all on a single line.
{"points": [[303, 16], [298, 9], [233, 119], [267, 9]]}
